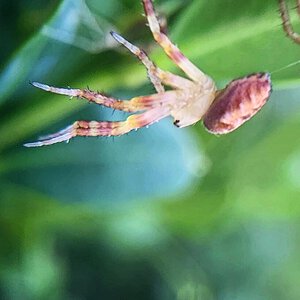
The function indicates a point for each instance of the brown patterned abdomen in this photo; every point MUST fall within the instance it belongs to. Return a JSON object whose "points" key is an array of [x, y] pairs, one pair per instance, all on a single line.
{"points": [[237, 103]]}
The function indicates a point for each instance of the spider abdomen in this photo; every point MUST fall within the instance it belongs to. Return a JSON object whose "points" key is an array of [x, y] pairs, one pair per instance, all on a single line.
{"points": [[237, 103]]}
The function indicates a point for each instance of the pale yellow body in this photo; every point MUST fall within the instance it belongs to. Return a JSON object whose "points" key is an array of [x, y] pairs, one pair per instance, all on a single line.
{"points": [[193, 102]]}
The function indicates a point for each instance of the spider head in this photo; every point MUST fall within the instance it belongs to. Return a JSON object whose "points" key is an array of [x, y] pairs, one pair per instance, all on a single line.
{"points": [[238, 102]]}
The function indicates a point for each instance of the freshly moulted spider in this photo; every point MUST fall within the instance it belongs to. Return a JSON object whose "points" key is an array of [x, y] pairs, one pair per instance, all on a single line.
{"points": [[189, 100]]}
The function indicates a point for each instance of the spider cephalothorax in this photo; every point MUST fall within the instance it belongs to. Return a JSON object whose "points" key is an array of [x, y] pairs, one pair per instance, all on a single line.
{"points": [[189, 101]]}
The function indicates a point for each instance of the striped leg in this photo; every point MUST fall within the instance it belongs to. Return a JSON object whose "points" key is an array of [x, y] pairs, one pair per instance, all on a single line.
{"points": [[171, 50], [94, 128], [286, 22], [133, 105], [156, 75], [143, 57]]}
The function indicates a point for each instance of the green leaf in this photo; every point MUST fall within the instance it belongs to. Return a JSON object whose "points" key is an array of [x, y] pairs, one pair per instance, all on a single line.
{"points": [[74, 24]]}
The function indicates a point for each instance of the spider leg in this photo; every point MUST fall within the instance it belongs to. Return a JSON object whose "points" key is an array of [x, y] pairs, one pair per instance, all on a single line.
{"points": [[171, 50], [143, 57], [173, 80], [286, 22], [94, 128], [298, 7], [133, 105], [156, 75]]}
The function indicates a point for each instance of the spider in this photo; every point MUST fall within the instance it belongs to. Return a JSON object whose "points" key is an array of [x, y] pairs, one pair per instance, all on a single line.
{"points": [[286, 22], [190, 100]]}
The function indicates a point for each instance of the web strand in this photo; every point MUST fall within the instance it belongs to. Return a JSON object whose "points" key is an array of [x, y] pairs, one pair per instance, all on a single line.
{"points": [[286, 67]]}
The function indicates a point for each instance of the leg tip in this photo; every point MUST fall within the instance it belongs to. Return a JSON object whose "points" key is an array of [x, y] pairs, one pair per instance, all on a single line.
{"points": [[41, 86]]}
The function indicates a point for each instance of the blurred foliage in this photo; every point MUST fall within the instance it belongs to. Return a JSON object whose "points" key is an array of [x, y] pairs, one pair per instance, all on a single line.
{"points": [[161, 213]]}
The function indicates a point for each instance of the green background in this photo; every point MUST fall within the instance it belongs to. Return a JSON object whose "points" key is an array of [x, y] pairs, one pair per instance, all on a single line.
{"points": [[161, 213]]}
